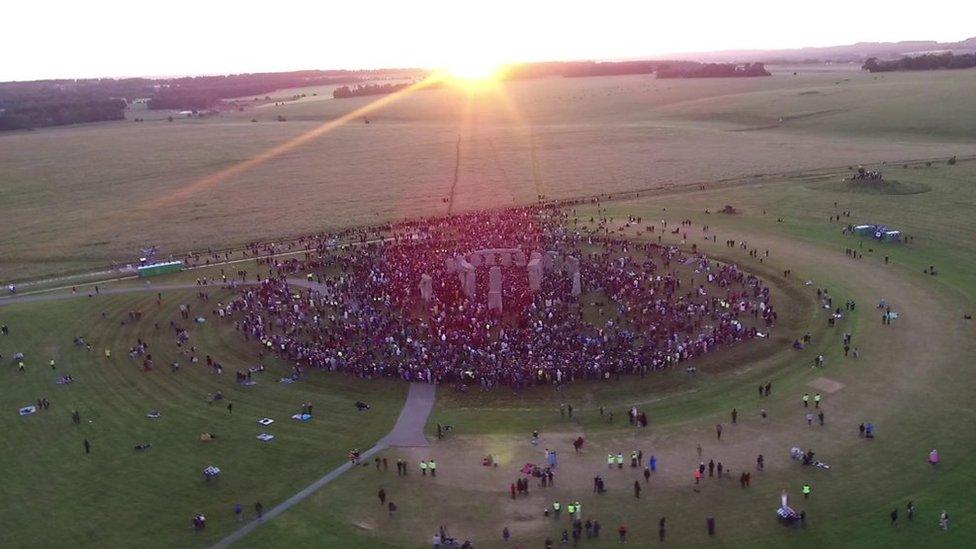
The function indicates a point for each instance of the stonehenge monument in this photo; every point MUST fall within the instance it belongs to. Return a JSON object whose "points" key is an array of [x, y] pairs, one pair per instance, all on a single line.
{"points": [[536, 266]]}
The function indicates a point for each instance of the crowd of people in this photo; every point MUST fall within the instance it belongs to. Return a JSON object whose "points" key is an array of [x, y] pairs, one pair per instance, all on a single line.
{"points": [[358, 309]]}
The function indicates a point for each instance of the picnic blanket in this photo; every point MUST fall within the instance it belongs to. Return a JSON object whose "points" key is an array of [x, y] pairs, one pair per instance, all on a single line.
{"points": [[302, 417], [265, 437], [266, 421], [27, 410]]}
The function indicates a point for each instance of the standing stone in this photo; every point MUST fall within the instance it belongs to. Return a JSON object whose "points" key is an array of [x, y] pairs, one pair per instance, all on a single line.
{"points": [[572, 265], [465, 272], [495, 288], [426, 287], [506, 259], [534, 269], [475, 259], [549, 261], [470, 283], [489, 258], [449, 265], [520, 259], [577, 287]]}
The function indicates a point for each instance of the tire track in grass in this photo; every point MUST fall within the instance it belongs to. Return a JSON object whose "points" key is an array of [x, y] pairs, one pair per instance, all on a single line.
{"points": [[457, 168]]}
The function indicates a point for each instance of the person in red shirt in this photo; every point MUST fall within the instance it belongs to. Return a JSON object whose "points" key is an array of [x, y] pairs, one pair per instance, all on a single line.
{"points": [[622, 531]]}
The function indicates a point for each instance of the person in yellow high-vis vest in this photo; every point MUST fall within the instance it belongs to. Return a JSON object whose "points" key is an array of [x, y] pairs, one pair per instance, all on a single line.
{"points": [[423, 467], [806, 490], [432, 465], [556, 508]]}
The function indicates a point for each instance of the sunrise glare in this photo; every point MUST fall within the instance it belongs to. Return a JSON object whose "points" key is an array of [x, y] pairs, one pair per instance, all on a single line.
{"points": [[508, 274]]}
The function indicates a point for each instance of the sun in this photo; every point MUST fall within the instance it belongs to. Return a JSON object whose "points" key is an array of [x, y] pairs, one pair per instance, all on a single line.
{"points": [[472, 72]]}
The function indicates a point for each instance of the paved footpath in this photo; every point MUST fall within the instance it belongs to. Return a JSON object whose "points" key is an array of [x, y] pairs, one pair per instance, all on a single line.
{"points": [[407, 432]]}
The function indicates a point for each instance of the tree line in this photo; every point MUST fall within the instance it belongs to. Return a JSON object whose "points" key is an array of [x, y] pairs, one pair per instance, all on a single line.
{"points": [[38, 115], [712, 70], [345, 92], [925, 62], [70, 101]]}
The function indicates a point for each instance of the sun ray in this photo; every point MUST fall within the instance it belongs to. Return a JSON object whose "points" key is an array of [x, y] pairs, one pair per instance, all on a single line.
{"points": [[223, 175]]}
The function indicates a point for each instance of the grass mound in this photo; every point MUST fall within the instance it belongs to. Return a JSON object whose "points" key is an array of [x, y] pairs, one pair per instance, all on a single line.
{"points": [[889, 187]]}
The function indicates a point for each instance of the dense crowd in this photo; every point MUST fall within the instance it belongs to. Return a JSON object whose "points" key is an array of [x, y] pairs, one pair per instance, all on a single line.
{"points": [[357, 308]]}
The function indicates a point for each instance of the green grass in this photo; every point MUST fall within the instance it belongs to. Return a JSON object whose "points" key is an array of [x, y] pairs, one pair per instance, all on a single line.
{"points": [[593, 135], [118, 497], [912, 381]]}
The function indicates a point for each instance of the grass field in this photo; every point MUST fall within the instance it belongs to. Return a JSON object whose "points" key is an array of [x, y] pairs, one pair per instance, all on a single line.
{"points": [[912, 380], [78, 198], [776, 149], [118, 497]]}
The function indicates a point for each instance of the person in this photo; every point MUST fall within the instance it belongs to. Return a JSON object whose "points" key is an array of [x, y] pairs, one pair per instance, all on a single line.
{"points": [[816, 400], [860, 429], [622, 532], [711, 467], [382, 496], [258, 509], [660, 529], [620, 460], [763, 414], [653, 464], [806, 400], [423, 467], [944, 521], [391, 508], [710, 525], [432, 465], [806, 491], [76, 417], [910, 508], [239, 512], [637, 489], [759, 462], [894, 516], [647, 474], [718, 431], [735, 415], [230, 407], [698, 475], [820, 416], [87, 446], [555, 509], [506, 534], [934, 457], [610, 461]]}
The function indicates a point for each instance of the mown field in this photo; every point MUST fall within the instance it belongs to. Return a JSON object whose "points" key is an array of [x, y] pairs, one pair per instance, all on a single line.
{"points": [[78, 198], [55, 495]]}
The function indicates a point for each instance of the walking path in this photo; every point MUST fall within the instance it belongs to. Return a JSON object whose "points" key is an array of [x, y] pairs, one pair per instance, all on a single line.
{"points": [[407, 432]]}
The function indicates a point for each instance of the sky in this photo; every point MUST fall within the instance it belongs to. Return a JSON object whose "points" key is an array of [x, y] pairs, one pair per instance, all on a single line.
{"points": [[115, 38]]}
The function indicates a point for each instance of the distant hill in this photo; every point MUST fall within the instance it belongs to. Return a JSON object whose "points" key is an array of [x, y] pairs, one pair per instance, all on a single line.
{"points": [[858, 52]]}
